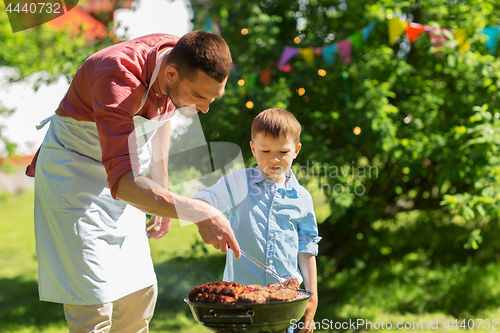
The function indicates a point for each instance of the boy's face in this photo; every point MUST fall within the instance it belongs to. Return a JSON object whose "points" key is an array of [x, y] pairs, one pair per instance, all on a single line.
{"points": [[274, 155]]}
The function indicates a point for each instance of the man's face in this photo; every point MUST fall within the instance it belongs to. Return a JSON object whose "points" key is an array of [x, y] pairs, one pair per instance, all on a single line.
{"points": [[200, 92]]}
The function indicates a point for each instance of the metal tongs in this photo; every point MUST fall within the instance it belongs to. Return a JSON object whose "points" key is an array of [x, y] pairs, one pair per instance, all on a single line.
{"points": [[282, 280]]}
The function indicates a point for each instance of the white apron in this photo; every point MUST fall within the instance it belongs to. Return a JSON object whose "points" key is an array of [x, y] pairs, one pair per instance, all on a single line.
{"points": [[91, 248]]}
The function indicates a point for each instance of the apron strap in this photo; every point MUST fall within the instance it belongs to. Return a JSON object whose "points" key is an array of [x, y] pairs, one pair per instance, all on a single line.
{"points": [[153, 79]]}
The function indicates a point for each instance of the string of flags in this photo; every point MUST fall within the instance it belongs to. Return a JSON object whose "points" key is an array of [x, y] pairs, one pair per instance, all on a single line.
{"points": [[397, 28]]}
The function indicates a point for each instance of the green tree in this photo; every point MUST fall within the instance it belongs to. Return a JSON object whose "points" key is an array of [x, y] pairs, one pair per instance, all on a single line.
{"points": [[429, 117], [45, 50]]}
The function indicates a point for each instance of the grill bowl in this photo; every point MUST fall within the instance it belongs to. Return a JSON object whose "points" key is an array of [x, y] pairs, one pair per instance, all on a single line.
{"points": [[250, 317]]}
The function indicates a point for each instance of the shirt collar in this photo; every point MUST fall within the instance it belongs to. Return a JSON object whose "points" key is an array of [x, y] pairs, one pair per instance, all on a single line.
{"points": [[258, 176]]}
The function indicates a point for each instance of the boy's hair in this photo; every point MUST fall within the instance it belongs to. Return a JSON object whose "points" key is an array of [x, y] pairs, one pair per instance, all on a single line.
{"points": [[201, 50], [277, 123]]}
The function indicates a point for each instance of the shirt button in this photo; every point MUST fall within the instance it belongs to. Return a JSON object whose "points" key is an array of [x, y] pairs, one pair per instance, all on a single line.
{"points": [[270, 262], [271, 235]]}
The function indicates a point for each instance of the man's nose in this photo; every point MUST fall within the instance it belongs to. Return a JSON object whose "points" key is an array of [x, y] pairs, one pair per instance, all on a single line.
{"points": [[204, 107]]}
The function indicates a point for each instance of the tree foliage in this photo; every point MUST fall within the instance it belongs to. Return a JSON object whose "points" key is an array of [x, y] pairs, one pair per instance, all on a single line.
{"points": [[429, 118], [44, 50]]}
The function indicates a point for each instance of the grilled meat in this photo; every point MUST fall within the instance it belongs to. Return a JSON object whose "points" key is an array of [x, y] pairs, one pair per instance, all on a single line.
{"points": [[231, 292]]}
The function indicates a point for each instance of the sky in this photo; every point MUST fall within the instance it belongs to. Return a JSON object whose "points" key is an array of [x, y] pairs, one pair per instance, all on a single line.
{"points": [[147, 16]]}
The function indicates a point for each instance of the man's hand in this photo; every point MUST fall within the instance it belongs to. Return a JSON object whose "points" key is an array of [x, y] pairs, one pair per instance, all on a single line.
{"points": [[158, 227], [217, 231]]}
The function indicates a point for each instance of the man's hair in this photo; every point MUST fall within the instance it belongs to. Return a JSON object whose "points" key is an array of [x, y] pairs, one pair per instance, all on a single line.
{"points": [[277, 123], [201, 50]]}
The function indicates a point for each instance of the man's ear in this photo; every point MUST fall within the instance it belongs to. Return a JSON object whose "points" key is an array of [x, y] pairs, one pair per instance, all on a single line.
{"points": [[171, 73], [297, 149]]}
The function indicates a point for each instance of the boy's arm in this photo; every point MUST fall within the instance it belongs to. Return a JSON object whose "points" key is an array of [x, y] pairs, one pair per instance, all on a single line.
{"points": [[307, 266], [226, 193]]}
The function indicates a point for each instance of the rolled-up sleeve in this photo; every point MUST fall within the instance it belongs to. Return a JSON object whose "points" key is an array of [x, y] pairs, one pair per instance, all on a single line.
{"points": [[308, 233], [116, 99]]}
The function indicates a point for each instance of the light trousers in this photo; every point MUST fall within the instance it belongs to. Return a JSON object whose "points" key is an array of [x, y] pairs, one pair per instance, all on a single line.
{"points": [[129, 314]]}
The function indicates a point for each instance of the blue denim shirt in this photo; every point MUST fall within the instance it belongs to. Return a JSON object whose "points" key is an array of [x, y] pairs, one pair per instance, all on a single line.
{"points": [[271, 224]]}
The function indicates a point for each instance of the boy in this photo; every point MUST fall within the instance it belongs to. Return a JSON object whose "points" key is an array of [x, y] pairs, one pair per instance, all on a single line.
{"points": [[271, 215]]}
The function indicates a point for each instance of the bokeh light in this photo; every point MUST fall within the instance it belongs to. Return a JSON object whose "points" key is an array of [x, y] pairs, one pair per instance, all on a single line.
{"points": [[249, 104], [301, 91], [244, 31], [407, 119], [241, 82], [356, 130], [296, 40], [305, 98], [321, 72]]}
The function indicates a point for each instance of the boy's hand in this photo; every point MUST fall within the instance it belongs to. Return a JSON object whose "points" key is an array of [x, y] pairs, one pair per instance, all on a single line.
{"points": [[158, 227], [309, 316]]}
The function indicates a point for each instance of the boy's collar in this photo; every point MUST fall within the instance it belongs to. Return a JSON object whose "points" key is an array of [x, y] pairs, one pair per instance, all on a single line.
{"points": [[260, 176]]}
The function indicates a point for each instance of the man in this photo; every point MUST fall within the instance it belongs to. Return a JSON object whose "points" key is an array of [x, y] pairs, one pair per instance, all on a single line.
{"points": [[91, 194]]}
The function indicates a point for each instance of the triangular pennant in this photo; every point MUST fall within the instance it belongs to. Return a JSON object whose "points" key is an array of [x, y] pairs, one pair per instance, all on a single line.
{"points": [[414, 30], [396, 28], [265, 75], [286, 55], [356, 39], [208, 23], [461, 36], [492, 42], [345, 50], [251, 79], [329, 52], [368, 29], [307, 54], [438, 37]]}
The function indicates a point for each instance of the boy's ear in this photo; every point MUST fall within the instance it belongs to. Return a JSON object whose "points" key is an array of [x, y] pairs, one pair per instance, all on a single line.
{"points": [[297, 149], [253, 149]]}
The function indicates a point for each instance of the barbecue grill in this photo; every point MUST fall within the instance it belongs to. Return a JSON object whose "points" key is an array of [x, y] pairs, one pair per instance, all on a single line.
{"points": [[250, 317]]}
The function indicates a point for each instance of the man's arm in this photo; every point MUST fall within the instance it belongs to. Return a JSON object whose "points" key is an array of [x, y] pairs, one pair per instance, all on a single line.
{"points": [[153, 199], [159, 163], [307, 266]]}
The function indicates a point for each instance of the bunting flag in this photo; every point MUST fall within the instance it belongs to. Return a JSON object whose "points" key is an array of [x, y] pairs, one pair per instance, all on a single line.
{"points": [[208, 23], [492, 42], [461, 36], [288, 53], [438, 36], [414, 30], [307, 54], [396, 29], [356, 39], [368, 29], [329, 52], [265, 75], [345, 50]]}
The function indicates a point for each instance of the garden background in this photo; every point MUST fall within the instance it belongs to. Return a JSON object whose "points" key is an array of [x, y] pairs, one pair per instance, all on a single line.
{"points": [[400, 111]]}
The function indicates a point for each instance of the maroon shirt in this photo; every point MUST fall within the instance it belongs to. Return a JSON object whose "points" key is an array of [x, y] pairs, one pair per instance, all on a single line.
{"points": [[108, 89]]}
